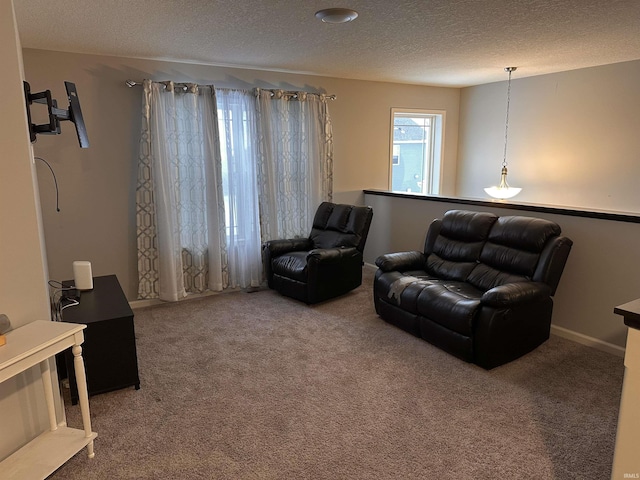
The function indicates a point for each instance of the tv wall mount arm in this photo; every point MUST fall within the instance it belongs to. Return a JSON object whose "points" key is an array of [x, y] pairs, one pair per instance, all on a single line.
{"points": [[56, 115]]}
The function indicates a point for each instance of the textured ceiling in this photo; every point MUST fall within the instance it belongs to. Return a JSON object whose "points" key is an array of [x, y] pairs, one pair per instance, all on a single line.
{"points": [[434, 42]]}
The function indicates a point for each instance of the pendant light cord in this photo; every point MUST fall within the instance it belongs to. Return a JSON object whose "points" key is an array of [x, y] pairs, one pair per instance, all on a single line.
{"points": [[506, 123]]}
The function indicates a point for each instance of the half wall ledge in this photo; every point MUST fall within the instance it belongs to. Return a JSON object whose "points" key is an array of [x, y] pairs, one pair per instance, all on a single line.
{"points": [[628, 217]]}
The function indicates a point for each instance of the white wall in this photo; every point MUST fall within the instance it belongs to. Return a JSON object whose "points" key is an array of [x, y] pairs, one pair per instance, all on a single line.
{"points": [[97, 185], [23, 289], [601, 272], [573, 137]]}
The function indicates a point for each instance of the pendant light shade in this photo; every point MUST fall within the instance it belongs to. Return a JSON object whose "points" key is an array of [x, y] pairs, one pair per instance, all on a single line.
{"points": [[503, 190]]}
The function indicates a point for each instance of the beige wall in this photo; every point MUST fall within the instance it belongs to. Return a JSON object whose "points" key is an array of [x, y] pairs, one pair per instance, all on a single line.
{"points": [[97, 185], [573, 141], [601, 272], [23, 290], [573, 137]]}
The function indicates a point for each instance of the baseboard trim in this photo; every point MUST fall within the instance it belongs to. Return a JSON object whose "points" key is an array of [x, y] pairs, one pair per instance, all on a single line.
{"points": [[144, 303], [588, 341], [370, 266], [134, 304]]}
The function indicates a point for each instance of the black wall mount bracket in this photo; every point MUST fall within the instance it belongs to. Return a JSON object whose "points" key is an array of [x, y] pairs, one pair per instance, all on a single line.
{"points": [[55, 114]]}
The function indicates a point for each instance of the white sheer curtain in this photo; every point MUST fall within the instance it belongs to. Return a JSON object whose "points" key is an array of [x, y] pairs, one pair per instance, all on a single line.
{"points": [[295, 162], [179, 193], [238, 151]]}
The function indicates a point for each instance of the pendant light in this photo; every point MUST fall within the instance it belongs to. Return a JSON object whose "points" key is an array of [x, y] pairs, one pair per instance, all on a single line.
{"points": [[503, 190]]}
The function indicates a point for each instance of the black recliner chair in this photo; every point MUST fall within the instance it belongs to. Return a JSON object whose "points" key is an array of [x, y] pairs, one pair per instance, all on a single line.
{"points": [[325, 265]]}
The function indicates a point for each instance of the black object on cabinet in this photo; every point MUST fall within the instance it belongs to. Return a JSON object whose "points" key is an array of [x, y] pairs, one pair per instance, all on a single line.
{"points": [[109, 348]]}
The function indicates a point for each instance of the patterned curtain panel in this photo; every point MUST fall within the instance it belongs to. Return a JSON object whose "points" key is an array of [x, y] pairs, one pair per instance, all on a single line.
{"points": [[148, 263], [295, 163], [178, 196]]}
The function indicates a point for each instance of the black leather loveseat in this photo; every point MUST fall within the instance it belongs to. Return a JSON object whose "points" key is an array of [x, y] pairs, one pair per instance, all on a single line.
{"points": [[481, 289]]}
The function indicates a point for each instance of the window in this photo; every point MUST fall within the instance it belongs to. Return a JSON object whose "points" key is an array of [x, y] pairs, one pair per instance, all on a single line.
{"points": [[416, 150], [238, 150]]}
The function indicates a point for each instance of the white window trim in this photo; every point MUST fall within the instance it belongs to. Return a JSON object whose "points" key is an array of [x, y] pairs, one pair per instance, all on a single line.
{"points": [[436, 166]]}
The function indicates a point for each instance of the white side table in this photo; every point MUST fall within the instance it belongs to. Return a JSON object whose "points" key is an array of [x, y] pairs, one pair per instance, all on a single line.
{"points": [[26, 347]]}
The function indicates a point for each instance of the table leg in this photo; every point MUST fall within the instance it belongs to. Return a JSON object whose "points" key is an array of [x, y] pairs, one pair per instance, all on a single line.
{"points": [[48, 394], [83, 396]]}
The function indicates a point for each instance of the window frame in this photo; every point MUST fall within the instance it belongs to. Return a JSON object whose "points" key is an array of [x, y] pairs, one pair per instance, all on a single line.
{"points": [[436, 148]]}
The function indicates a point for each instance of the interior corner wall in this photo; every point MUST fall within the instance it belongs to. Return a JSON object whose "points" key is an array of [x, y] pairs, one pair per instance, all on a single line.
{"points": [[97, 185], [23, 290], [573, 137]]}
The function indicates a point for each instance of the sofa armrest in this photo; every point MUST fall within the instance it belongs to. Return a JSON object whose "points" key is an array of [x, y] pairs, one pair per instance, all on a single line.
{"points": [[401, 261], [280, 247], [329, 255], [552, 261], [511, 294]]}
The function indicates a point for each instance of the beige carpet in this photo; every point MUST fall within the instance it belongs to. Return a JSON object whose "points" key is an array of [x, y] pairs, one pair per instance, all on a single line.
{"points": [[259, 386]]}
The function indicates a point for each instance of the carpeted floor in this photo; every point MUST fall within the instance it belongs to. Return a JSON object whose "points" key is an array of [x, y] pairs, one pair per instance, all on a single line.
{"points": [[259, 386]]}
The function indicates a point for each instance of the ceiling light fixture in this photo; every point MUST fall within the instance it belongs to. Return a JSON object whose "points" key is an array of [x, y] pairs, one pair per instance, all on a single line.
{"points": [[337, 15], [504, 190]]}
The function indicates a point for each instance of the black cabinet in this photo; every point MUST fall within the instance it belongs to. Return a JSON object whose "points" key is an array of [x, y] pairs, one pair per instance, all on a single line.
{"points": [[109, 348]]}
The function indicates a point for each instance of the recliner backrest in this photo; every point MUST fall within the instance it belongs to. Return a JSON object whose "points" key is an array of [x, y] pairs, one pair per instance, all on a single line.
{"points": [[454, 244], [338, 225], [512, 251]]}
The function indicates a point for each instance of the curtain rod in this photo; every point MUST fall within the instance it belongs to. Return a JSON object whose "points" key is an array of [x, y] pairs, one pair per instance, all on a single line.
{"points": [[133, 83]]}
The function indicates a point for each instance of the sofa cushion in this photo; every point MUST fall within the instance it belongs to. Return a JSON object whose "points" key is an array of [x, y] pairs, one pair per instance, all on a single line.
{"points": [[457, 247], [485, 277], [403, 289], [450, 304], [291, 265], [467, 226], [340, 225], [512, 251], [525, 233], [509, 259]]}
